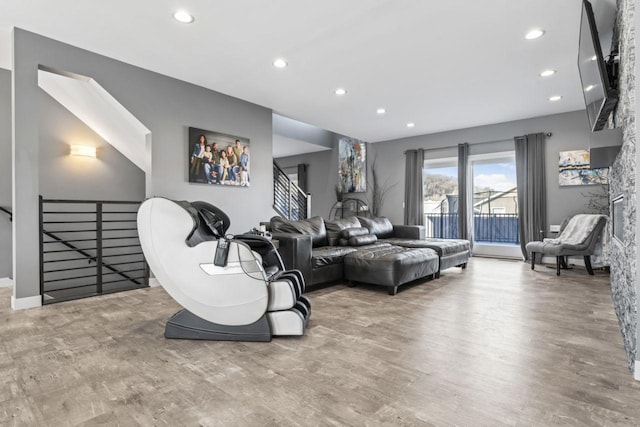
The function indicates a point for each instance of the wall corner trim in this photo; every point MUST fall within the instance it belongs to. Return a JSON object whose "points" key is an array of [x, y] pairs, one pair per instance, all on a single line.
{"points": [[27, 302], [153, 282], [6, 282]]}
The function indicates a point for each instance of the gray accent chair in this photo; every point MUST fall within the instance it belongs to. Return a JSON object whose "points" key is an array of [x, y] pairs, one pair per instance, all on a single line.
{"points": [[578, 237]]}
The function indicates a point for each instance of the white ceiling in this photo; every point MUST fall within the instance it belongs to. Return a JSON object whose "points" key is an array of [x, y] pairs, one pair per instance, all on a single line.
{"points": [[443, 65]]}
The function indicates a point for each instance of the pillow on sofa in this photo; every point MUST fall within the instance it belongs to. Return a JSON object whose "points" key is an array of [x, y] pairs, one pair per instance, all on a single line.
{"points": [[313, 227], [361, 240], [353, 231], [381, 226], [335, 227]]}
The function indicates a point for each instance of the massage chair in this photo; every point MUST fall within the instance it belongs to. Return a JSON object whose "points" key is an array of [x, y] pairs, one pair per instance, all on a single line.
{"points": [[231, 288]]}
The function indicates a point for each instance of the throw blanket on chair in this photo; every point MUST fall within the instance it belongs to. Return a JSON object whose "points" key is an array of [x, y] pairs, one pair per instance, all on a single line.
{"points": [[577, 230]]}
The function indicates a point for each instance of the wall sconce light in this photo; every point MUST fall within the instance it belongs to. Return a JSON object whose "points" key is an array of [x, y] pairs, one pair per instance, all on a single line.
{"points": [[83, 150]]}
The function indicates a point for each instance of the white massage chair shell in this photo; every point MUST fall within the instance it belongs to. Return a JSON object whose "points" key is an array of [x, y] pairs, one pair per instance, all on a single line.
{"points": [[238, 294]]}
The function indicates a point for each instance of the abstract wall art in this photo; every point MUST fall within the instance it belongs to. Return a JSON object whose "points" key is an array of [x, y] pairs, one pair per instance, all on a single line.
{"points": [[352, 165], [574, 169]]}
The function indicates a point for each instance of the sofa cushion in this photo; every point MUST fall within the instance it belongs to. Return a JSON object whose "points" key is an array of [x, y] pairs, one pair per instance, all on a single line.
{"points": [[313, 227], [347, 233], [408, 243], [329, 255], [381, 226], [335, 227], [443, 247], [361, 240]]}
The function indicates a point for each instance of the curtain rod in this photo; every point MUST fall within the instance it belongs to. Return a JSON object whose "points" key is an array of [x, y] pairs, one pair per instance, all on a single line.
{"points": [[547, 134]]}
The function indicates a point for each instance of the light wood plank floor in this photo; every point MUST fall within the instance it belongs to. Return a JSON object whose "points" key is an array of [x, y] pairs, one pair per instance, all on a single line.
{"points": [[493, 345]]}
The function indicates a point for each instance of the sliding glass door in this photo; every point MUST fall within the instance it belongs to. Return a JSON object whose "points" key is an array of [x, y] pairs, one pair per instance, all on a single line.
{"points": [[495, 205], [440, 180]]}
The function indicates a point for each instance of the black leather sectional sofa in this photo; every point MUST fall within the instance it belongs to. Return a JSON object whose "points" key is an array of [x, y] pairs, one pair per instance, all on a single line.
{"points": [[364, 250]]}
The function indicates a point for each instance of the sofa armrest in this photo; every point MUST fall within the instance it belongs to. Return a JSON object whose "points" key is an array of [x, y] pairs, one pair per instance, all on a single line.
{"points": [[295, 250], [409, 231]]}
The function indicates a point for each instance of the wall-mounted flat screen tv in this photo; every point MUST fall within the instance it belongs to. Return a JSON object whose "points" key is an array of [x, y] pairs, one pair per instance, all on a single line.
{"points": [[599, 95]]}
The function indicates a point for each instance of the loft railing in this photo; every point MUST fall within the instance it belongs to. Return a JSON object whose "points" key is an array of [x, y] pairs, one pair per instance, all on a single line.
{"points": [[492, 228], [104, 234], [288, 199]]}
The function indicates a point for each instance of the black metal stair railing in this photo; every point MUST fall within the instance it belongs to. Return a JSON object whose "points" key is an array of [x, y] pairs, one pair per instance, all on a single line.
{"points": [[8, 212], [288, 199], [104, 233]]}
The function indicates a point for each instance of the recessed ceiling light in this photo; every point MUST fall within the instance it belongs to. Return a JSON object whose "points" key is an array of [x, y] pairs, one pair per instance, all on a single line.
{"points": [[555, 98], [381, 111], [340, 91], [183, 16], [534, 34], [594, 58], [589, 88], [410, 124], [547, 73], [280, 63]]}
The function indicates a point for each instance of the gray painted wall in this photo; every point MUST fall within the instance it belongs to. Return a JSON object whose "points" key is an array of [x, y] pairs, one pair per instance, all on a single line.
{"points": [[164, 105], [5, 172], [570, 131], [109, 176]]}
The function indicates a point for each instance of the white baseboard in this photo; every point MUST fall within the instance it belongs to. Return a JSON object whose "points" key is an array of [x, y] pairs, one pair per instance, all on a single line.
{"points": [[497, 251], [636, 370], [6, 282], [153, 282], [27, 302]]}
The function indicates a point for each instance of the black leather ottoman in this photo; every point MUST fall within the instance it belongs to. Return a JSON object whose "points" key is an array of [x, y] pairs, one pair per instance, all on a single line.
{"points": [[452, 252], [390, 266]]}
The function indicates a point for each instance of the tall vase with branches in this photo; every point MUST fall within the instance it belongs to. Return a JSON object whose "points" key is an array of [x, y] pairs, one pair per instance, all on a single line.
{"points": [[378, 189], [598, 200]]}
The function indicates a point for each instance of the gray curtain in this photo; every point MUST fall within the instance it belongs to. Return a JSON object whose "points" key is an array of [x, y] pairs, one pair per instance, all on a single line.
{"points": [[465, 212], [413, 192], [532, 195]]}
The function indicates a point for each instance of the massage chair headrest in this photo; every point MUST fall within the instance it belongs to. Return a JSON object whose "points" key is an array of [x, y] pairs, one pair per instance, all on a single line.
{"points": [[209, 222]]}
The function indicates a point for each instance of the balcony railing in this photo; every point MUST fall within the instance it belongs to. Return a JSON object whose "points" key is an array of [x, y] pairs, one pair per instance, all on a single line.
{"points": [[487, 228]]}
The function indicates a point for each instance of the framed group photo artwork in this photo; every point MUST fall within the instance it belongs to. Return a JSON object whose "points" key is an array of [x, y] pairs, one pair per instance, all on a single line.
{"points": [[218, 158]]}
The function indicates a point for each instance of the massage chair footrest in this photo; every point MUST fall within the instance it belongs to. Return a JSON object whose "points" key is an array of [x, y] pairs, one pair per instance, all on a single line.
{"points": [[186, 325], [292, 321]]}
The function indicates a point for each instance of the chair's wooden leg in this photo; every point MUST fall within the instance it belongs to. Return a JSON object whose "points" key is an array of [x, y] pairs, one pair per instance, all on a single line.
{"points": [[564, 262], [587, 263], [557, 266], [533, 260]]}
